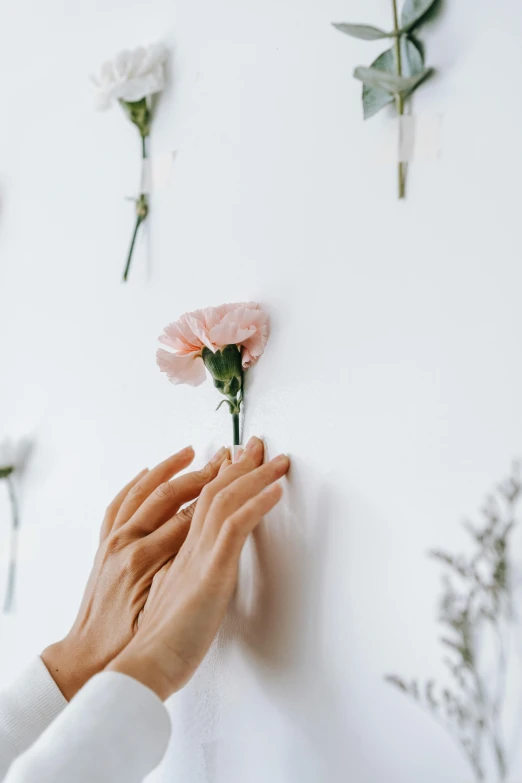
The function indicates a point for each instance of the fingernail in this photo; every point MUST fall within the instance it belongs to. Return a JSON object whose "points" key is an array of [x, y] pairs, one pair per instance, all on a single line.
{"points": [[252, 443], [224, 465], [238, 451], [281, 460], [218, 456]]}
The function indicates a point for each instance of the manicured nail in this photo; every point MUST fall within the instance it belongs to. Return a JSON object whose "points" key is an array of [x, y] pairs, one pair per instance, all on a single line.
{"points": [[218, 456], [252, 443], [224, 465]]}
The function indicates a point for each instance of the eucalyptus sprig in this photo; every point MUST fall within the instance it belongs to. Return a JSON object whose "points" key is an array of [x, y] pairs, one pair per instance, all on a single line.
{"points": [[476, 614], [398, 71]]}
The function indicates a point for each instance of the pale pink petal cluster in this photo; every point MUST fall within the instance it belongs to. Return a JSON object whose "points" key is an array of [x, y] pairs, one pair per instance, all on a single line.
{"points": [[244, 324]]}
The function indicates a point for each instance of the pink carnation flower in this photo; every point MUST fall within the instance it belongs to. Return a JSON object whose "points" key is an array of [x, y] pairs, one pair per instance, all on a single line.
{"points": [[242, 324]]}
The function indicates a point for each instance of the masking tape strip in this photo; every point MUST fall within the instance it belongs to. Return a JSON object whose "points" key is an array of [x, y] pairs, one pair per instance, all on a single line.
{"points": [[156, 171], [413, 138]]}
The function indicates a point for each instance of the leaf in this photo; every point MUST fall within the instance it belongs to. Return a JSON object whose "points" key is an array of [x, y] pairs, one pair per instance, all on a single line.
{"points": [[375, 98], [6, 472], [363, 31], [413, 11], [396, 85]]}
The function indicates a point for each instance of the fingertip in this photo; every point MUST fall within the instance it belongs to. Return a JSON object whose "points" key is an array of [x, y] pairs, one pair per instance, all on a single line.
{"points": [[281, 463], [224, 465], [220, 455]]}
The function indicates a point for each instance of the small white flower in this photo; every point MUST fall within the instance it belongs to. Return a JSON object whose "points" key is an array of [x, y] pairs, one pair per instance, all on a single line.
{"points": [[131, 76], [14, 454]]}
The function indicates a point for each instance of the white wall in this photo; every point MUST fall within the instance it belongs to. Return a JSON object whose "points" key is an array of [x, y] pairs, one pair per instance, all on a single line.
{"points": [[392, 376]]}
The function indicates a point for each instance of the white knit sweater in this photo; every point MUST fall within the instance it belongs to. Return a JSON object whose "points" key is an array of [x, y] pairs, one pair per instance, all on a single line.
{"points": [[115, 730]]}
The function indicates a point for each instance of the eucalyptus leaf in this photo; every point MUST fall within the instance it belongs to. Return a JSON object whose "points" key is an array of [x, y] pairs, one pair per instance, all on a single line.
{"points": [[375, 98], [413, 11], [362, 31], [391, 83]]}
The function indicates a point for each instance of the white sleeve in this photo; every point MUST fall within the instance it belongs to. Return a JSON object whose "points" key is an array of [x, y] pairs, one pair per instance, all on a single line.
{"points": [[27, 706], [115, 730]]}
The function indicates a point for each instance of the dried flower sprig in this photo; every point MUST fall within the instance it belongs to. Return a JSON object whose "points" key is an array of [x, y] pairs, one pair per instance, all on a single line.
{"points": [[132, 79], [398, 71], [224, 340], [13, 456], [476, 613]]}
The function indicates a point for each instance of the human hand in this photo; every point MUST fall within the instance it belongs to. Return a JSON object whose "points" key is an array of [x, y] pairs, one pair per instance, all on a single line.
{"points": [[143, 529], [190, 597]]}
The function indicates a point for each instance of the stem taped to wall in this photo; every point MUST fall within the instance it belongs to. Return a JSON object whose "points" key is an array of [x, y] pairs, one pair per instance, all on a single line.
{"points": [[396, 73]]}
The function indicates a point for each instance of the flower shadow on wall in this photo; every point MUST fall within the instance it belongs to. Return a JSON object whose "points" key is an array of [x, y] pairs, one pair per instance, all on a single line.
{"points": [[225, 340], [135, 79], [13, 459], [277, 615]]}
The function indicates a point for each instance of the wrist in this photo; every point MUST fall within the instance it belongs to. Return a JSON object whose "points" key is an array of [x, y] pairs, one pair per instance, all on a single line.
{"points": [[68, 666], [143, 668]]}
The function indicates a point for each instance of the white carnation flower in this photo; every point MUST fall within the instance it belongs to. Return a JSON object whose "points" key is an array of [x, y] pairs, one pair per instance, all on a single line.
{"points": [[131, 76], [14, 454]]}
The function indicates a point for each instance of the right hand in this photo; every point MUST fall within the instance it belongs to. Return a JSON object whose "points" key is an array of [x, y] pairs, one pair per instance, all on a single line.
{"points": [[188, 602]]}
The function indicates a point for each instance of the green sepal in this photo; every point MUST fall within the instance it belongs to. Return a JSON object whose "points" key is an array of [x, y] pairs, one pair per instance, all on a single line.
{"points": [[226, 402], [225, 368], [138, 113], [6, 472]]}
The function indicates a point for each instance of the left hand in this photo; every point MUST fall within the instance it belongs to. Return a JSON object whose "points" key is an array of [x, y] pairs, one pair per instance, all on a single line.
{"points": [[142, 530]]}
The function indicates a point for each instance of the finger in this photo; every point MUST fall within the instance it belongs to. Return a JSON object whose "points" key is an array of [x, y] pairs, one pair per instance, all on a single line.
{"points": [[224, 465], [230, 499], [238, 527], [170, 537], [169, 496], [115, 505], [140, 491], [237, 453], [251, 459]]}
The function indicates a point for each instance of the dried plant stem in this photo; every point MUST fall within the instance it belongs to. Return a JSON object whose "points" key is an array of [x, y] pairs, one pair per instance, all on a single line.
{"points": [[13, 553], [142, 210], [399, 99]]}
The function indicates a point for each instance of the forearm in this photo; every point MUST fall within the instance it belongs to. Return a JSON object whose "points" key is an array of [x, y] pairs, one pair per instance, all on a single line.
{"points": [[27, 707], [114, 730]]}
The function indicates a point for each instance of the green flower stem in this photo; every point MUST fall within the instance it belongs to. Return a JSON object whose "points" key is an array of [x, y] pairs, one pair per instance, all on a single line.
{"points": [[142, 210], [237, 431], [399, 99], [13, 554]]}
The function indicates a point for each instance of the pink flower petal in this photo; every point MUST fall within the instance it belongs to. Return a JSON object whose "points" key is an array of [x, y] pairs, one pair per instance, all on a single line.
{"points": [[197, 322], [180, 337], [187, 369], [244, 324], [229, 333]]}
